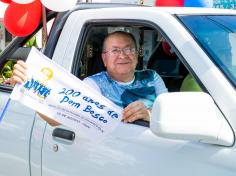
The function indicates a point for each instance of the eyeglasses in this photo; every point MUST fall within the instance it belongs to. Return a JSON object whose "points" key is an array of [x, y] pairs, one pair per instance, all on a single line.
{"points": [[117, 51]]}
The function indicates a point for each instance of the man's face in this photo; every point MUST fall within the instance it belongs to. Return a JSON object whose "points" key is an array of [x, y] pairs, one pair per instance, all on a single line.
{"points": [[120, 56]]}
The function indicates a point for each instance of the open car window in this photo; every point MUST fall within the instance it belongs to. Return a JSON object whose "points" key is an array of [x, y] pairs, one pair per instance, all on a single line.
{"points": [[154, 52]]}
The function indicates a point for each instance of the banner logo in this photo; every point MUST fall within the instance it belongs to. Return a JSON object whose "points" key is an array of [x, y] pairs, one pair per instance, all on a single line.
{"points": [[39, 86]]}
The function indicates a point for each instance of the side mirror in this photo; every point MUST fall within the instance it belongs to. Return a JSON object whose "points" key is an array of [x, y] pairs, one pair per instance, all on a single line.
{"points": [[190, 116]]}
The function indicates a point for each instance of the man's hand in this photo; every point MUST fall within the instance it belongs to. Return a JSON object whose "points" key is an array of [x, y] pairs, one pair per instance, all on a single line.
{"points": [[136, 110], [19, 74]]}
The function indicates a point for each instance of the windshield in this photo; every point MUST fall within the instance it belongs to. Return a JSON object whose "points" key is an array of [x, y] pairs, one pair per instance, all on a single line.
{"points": [[217, 36]]}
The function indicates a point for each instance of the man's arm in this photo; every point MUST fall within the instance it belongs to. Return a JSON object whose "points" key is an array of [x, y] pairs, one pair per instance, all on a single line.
{"points": [[48, 120]]}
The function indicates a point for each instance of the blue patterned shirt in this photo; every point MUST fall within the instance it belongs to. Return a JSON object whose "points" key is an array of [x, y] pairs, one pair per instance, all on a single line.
{"points": [[145, 87]]}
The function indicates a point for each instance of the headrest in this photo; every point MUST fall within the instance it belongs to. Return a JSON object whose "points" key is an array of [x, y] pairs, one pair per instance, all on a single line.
{"points": [[167, 49]]}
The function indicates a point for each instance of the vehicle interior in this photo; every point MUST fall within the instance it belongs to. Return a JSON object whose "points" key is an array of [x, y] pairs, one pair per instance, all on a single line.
{"points": [[154, 53]]}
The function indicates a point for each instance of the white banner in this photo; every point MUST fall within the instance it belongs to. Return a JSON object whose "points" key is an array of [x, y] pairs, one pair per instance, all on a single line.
{"points": [[54, 92]]}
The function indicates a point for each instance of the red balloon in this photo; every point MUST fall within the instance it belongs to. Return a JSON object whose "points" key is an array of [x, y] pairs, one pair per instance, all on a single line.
{"points": [[176, 3], [22, 19], [6, 1]]}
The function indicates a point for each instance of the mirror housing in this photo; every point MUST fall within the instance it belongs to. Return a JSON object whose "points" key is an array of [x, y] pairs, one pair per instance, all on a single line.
{"points": [[190, 116]]}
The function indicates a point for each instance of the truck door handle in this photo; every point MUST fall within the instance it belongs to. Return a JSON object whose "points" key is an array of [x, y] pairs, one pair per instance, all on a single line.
{"points": [[64, 134]]}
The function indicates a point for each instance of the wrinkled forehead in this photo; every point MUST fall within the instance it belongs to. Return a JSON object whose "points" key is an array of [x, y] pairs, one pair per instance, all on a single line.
{"points": [[119, 41]]}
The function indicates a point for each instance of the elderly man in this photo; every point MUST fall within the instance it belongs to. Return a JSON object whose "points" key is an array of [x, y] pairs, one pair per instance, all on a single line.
{"points": [[133, 90]]}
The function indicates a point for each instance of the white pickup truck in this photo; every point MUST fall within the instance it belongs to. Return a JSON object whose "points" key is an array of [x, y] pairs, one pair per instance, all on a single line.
{"points": [[190, 133]]}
